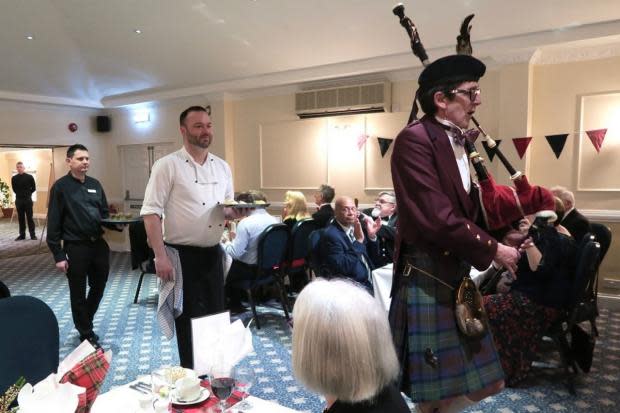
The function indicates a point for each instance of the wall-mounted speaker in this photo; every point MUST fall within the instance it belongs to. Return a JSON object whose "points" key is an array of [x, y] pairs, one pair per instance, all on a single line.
{"points": [[104, 124]]}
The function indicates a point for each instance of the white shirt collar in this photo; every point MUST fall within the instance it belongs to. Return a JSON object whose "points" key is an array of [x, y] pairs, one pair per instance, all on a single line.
{"points": [[448, 124], [462, 160], [189, 157], [346, 229]]}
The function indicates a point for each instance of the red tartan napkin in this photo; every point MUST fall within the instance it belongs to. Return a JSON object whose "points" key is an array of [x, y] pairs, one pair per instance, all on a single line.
{"points": [[90, 374], [234, 398]]}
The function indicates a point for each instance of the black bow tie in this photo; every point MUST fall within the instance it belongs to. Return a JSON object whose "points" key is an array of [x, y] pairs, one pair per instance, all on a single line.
{"points": [[460, 136]]}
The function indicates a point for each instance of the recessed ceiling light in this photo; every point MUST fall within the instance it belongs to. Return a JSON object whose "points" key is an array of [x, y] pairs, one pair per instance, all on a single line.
{"points": [[137, 31], [29, 37]]}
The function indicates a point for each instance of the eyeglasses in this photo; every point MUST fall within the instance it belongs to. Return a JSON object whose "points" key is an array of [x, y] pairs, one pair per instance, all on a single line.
{"points": [[472, 93], [382, 201]]}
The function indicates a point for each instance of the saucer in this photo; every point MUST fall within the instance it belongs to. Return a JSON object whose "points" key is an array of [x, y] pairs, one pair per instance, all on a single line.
{"points": [[204, 395]]}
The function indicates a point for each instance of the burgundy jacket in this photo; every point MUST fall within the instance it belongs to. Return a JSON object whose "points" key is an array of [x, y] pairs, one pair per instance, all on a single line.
{"points": [[435, 213]]}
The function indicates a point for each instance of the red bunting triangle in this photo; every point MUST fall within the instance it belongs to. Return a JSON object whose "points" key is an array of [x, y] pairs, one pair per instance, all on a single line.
{"points": [[597, 136], [521, 145]]}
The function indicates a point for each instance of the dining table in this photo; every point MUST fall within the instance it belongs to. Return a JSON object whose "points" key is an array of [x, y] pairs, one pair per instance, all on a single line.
{"points": [[382, 283], [127, 399]]}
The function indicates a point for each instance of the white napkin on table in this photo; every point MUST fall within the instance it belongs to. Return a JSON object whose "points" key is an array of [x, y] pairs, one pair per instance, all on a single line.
{"points": [[49, 396], [217, 342]]}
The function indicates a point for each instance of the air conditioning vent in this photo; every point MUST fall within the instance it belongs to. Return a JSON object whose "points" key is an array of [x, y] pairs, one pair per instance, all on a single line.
{"points": [[326, 98], [305, 100], [371, 94], [349, 96], [345, 100]]}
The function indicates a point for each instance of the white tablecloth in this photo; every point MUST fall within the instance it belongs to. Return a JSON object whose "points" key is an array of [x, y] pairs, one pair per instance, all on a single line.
{"points": [[125, 400], [382, 284]]}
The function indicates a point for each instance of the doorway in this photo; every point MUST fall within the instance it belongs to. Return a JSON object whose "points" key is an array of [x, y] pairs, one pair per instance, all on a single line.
{"points": [[45, 164]]}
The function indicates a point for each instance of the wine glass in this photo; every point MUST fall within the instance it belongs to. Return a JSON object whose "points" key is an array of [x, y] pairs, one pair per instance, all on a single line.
{"points": [[222, 383], [244, 379]]}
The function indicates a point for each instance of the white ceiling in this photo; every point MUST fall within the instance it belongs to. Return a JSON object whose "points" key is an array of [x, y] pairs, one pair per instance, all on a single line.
{"points": [[86, 53]]}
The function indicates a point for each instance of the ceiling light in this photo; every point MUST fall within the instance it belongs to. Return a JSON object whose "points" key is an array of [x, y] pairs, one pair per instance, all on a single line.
{"points": [[30, 37], [137, 31], [142, 116]]}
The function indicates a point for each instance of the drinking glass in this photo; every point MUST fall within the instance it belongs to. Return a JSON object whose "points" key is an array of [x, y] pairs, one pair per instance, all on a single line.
{"points": [[160, 385], [244, 379], [222, 384]]}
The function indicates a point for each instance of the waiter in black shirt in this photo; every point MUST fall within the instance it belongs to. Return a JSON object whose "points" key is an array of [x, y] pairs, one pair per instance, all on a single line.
{"points": [[23, 185], [77, 205]]}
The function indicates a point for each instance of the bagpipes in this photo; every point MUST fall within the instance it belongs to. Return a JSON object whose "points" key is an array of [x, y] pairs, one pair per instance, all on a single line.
{"points": [[502, 204]]}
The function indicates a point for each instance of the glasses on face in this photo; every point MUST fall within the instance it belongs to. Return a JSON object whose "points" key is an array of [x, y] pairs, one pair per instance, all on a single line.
{"points": [[472, 93], [382, 201]]}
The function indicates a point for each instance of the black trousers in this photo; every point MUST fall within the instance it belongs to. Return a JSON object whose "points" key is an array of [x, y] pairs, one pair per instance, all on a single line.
{"points": [[24, 212], [239, 271], [88, 261], [203, 293]]}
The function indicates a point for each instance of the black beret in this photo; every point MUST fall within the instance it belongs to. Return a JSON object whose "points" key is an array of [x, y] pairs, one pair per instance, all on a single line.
{"points": [[448, 69]]}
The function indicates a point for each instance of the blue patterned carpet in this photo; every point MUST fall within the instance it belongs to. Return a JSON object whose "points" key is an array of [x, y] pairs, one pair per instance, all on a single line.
{"points": [[131, 332]]}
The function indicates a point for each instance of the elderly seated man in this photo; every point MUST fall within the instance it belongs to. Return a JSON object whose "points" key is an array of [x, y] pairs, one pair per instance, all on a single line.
{"points": [[577, 224], [385, 208], [345, 251], [242, 247]]}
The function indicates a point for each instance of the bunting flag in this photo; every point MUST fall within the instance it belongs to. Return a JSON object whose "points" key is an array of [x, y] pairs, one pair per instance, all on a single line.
{"points": [[384, 145], [521, 145], [597, 136], [361, 141], [557, 143], [491, 152]]}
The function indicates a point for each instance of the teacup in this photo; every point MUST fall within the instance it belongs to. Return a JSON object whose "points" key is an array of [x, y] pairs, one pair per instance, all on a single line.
{"points": [[188, 388]]}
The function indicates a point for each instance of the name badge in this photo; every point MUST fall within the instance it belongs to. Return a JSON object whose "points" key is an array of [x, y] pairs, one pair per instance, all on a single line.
{"points": [[92, 191]]}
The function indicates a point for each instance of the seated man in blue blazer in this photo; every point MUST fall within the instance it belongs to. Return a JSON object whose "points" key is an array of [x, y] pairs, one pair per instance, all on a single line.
{"points": [[344, 250]]}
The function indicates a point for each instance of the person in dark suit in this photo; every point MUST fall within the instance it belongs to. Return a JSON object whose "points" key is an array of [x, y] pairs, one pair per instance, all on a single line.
{"points": [[577, 224], [385, 208], [323, 198], [437, 242], [344, 250], [342, 349], [23, 186]]}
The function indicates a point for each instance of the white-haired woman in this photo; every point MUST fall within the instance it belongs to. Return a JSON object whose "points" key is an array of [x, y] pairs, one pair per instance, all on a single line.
{"points": [[343, 349]]}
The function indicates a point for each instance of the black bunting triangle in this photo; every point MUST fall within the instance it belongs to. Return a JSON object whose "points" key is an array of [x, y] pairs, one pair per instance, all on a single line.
{"points": [[557, 143], [491, 152], [384, 145]]}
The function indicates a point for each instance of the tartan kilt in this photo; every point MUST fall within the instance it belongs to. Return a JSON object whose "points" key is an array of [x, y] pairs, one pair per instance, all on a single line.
{"points": [[437, 361]]}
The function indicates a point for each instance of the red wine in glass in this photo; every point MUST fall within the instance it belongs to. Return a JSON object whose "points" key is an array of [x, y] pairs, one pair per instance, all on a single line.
{"points": [[222, 387]]}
